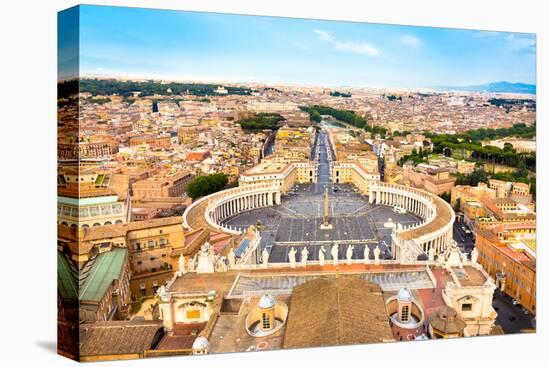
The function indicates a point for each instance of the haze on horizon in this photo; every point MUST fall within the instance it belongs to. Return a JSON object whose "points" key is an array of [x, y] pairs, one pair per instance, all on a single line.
{"points": [[195, 46]]}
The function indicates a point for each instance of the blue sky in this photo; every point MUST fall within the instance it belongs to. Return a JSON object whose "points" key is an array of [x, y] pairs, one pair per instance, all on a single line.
{"points": [[217, 47]]}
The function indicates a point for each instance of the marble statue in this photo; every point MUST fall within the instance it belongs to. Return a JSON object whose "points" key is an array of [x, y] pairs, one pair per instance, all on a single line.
{"points": [[181, 264], [334, 253], [192, 263], [464, 258], [265, 257], [221, 266], [453, 256], [366, 254], [474, 255], [292, 257], [305, 254], [322, 256], [431, 254], [231, 258], [205, 263], [161, 290], [349, 254], [376, 255]]}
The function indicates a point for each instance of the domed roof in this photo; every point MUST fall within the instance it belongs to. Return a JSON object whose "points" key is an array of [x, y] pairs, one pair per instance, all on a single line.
{"points": [[200, 343], [266, 301], [404, 295]]}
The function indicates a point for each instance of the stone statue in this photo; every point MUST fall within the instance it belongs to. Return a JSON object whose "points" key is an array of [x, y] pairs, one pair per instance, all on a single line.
{"points": [[474, 255], [322, 256], [292, 257], [181, 264], [366, 254], [161, 290], [376, 255], [205, 263], [221, 265], [453, 256], [192, 263], [349, 254], [431, 254], [265, 258], [464, 258], [334, 253], [305, 254], [231, 258]]}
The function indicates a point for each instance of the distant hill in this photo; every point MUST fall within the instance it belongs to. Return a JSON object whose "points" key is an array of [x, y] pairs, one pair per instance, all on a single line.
{"points": [[497, 87]]}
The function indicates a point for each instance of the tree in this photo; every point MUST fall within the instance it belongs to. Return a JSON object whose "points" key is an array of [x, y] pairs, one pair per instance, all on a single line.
{"points": [[446, 196], [206, 185], [315, 116], [262, 121], [458, 203]]}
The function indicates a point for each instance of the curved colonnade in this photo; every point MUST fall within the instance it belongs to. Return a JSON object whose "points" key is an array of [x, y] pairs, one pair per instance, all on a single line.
{"points": [[216, 207], [434, 232], [432, 235]]}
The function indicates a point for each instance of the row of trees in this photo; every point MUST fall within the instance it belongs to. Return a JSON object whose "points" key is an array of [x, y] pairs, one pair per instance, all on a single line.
{"points": [[466, 147], [340, 94], [521, 130], [206, 185], [416, 156], [477, 176], [347, 116], [151, 88], [392, 97], [262, 121], [480, 175], [508, 104], [478, 135]]}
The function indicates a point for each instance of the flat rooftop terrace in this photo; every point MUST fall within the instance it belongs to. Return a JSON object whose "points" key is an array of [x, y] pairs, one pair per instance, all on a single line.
{"points": [[469, 276], [253, 285]]}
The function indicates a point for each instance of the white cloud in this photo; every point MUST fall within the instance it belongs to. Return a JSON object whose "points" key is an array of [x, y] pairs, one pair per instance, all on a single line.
{"points": [[486, 34], [409, 40], [521, 42], [362, 48], [324, 36]]}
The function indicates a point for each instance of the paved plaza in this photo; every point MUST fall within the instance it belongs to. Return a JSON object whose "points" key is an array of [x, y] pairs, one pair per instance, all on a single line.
{"points": [[297, 220]]}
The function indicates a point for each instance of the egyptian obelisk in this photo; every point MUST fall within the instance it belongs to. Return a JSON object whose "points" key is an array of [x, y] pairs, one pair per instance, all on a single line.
{"points": [[326, 224]]}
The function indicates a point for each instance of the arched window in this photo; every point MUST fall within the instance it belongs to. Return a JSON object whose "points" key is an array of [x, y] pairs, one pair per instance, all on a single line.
{"points": [[405, 313], [266, 324]]}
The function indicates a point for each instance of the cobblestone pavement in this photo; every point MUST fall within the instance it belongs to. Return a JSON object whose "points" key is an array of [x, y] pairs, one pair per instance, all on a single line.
{"points": [[512, 318]]}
